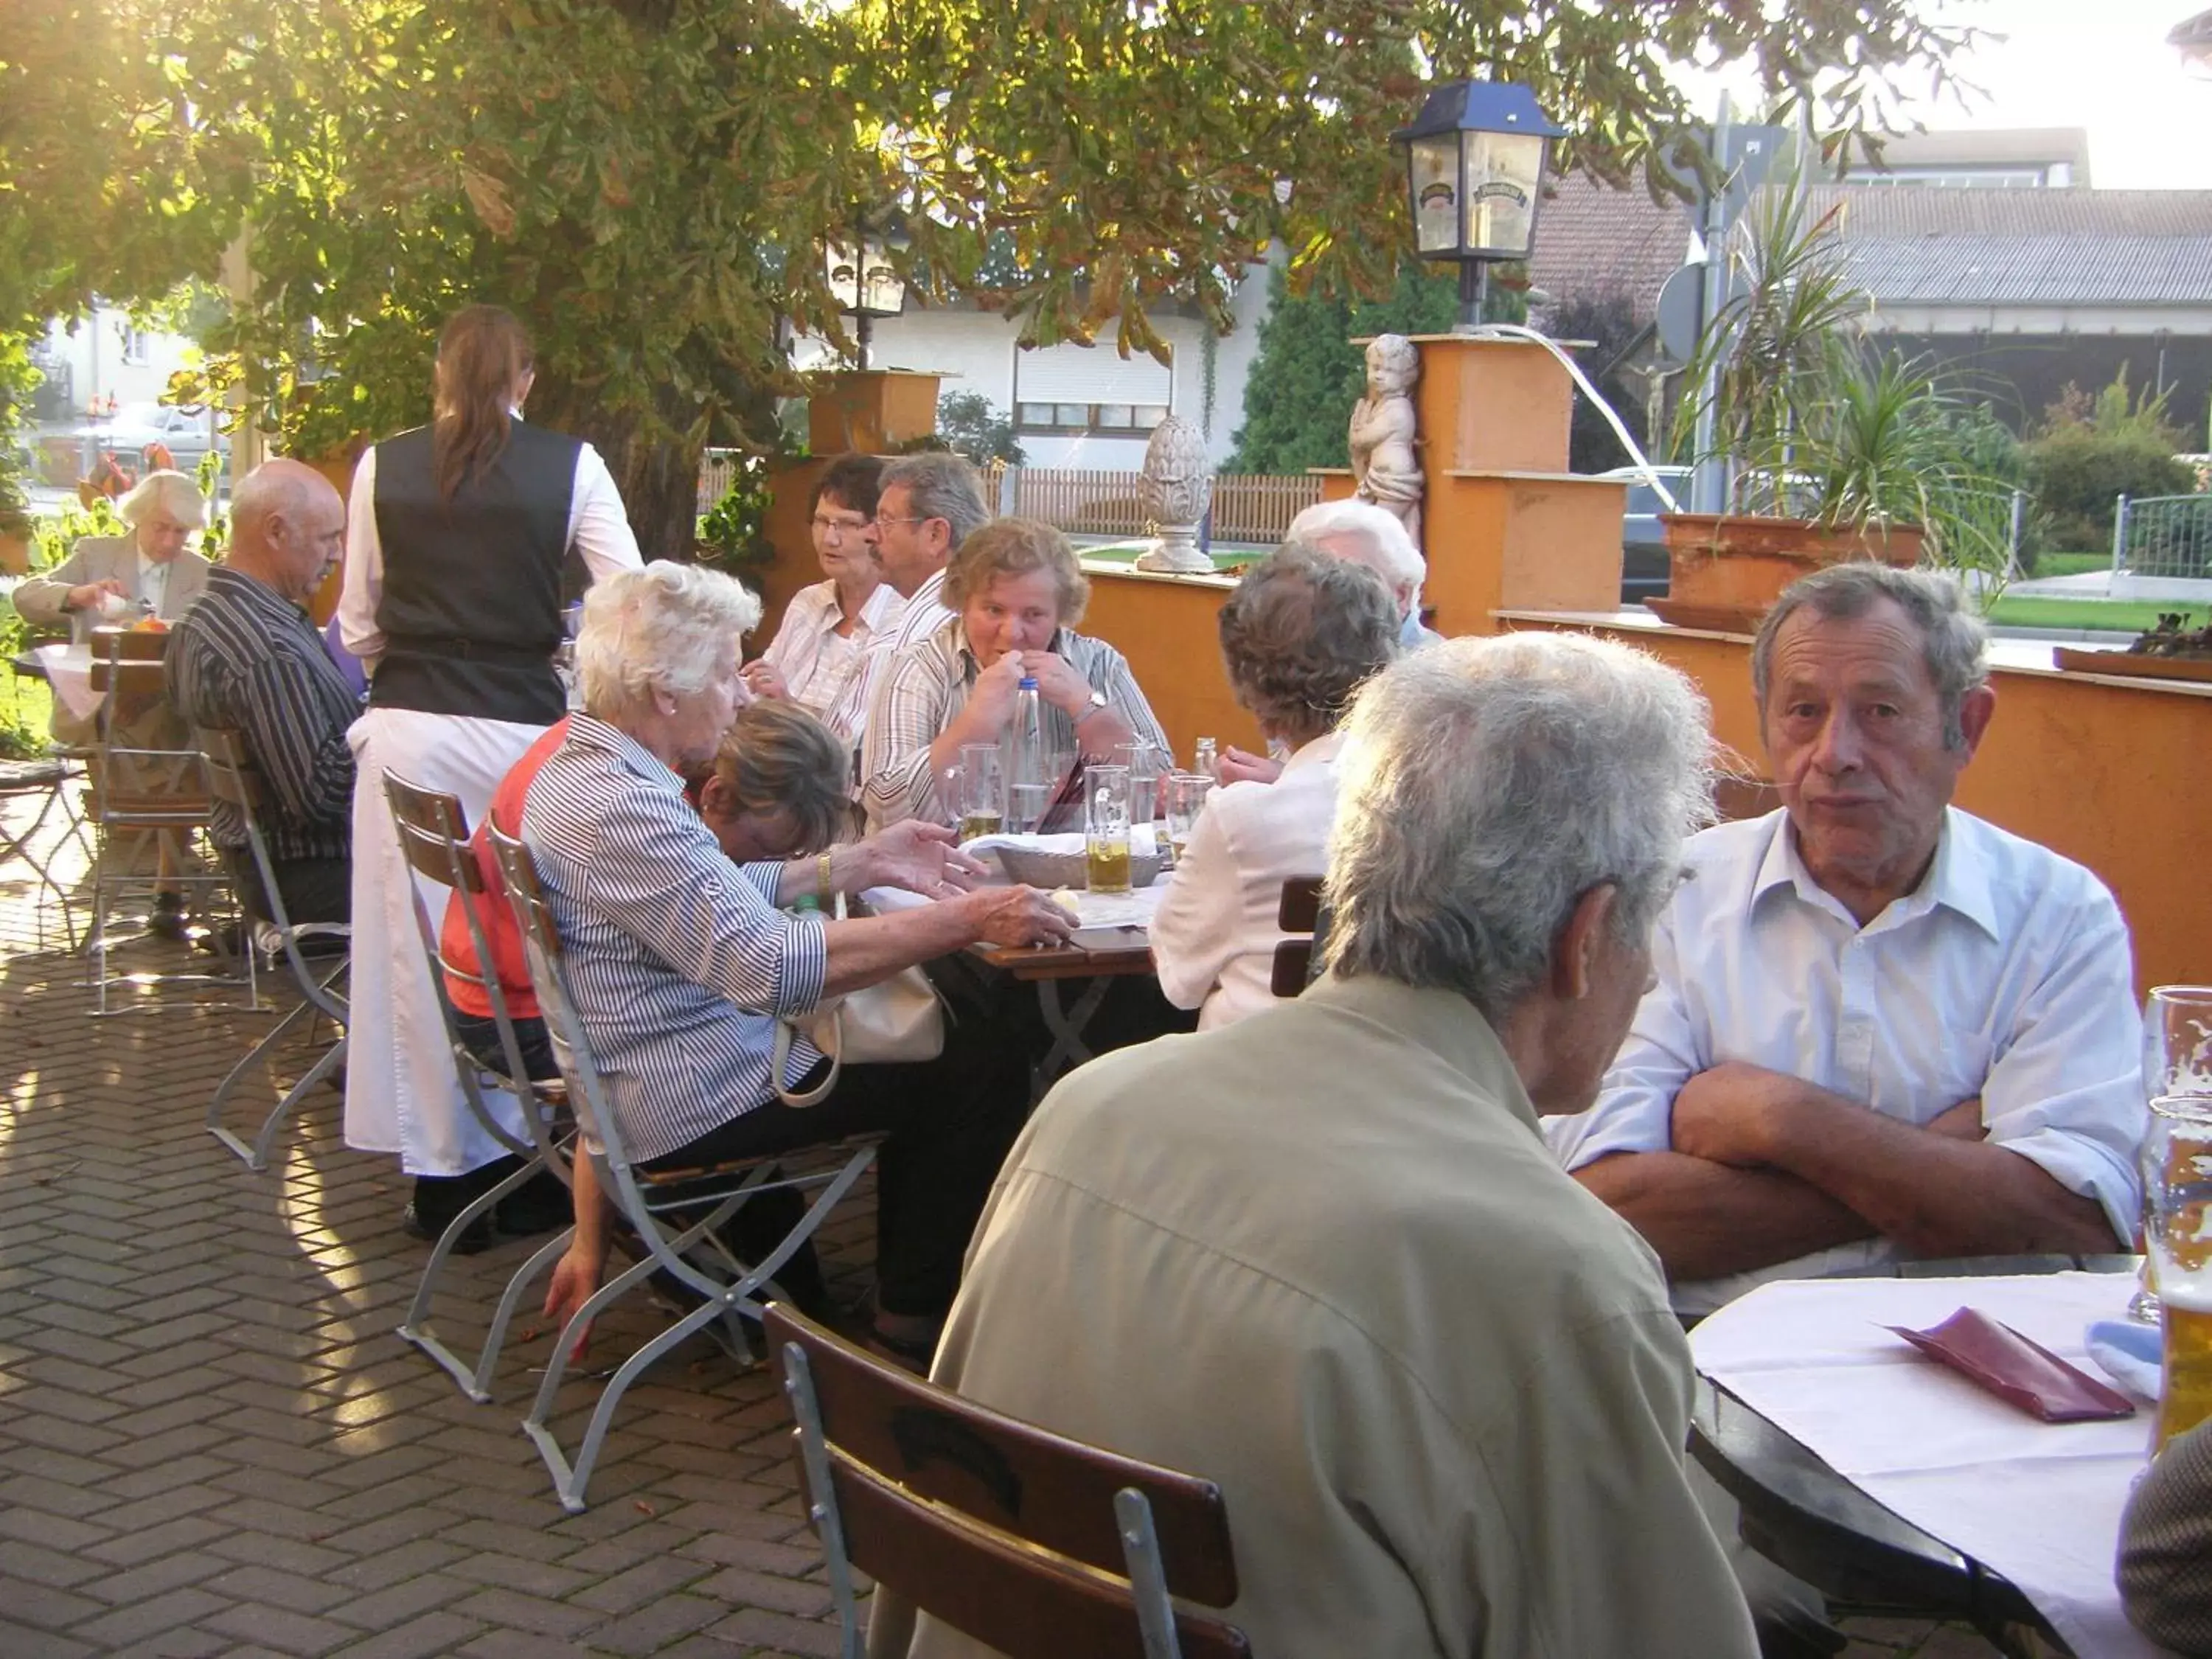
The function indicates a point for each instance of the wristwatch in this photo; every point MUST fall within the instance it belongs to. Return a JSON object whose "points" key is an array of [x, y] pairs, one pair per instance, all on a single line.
{"points": [[1097, 701]]}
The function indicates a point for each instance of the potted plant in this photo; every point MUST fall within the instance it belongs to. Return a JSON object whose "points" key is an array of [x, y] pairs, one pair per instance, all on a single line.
{"points": [[1831, 451]]}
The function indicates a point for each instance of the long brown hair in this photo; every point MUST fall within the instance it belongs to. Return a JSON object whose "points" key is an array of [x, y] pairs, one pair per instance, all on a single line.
{"points": [[482, 353]]}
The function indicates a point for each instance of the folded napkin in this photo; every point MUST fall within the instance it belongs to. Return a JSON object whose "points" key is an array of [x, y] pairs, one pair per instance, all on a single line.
{"points": [[1140, 842], [2130, 1353], [2019, 1371]]}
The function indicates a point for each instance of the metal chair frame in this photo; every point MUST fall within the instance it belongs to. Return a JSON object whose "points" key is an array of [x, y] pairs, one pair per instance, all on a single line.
{"points": [[50, 780], [1031, 1543], [127, 665], [678, 1215], [434, 836], [232, 779]]}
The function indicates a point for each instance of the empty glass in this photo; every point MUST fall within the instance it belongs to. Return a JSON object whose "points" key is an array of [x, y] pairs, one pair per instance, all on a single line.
{"points": [[1183, 796], [1106, 827], [980, 801], [1145, 761]]}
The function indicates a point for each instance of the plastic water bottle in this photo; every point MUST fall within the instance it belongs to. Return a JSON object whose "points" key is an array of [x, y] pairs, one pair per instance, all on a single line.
{"points": [[1029, 779], [1204, 760]]}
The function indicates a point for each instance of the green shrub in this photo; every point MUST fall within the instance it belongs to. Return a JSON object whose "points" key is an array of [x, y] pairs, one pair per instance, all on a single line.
{"points": [[2089, 450]]}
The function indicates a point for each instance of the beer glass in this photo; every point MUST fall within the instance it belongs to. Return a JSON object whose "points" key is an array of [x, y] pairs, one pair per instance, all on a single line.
{"points": [[1145, 761], [2177, 1164], [2177, 1061], [981, 798], [1183, 796], [1106, 827]]}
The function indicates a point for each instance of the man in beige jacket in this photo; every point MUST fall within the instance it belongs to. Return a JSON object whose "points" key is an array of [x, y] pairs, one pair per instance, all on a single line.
{"points": [[1322, 1256]]}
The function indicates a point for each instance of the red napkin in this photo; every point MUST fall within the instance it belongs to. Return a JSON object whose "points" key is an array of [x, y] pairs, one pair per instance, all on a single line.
{"points": [[2015, 1370]]}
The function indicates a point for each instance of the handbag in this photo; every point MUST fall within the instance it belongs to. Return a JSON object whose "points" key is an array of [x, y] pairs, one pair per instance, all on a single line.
{"points": [[895, 1020]]}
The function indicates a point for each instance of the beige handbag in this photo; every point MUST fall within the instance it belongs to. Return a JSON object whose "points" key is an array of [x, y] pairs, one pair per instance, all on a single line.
{"points": [[896, 1020]]}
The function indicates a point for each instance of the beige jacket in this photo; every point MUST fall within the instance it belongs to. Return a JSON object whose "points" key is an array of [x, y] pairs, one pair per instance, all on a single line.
{"points": [[39, 599], [1323, 1258]]}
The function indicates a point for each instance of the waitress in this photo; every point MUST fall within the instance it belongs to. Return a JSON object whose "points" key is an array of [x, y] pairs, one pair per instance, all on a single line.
{"points": [[455, 536]]}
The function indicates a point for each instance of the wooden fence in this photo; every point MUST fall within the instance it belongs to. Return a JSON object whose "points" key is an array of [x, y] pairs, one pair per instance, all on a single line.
{"points": [[1246, 506]]}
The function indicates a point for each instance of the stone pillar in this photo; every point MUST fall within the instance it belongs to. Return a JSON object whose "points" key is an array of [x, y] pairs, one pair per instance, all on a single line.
{"points": [[1506, 526]]}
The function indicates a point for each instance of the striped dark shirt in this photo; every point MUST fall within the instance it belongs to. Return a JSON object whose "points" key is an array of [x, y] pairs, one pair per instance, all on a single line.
{"points": [[244, 656], [679, 959]]}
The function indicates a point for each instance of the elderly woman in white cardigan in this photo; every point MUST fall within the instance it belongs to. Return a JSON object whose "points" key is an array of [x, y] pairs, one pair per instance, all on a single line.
{"points": [[1300, 635]]}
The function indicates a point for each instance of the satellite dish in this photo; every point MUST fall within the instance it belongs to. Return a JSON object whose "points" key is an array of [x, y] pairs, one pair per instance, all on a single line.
{"points": [[1680, 313]]}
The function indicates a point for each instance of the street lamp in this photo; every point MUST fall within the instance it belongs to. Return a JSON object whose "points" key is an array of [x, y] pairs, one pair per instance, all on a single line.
{"points": [[864, 282], [1475, 161]]}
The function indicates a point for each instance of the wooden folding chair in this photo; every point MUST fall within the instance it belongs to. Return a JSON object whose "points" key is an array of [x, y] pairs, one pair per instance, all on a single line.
{"points": [[679, 1215], [1037, 1545], [433, 836], [1298, 959], [232, 780]]}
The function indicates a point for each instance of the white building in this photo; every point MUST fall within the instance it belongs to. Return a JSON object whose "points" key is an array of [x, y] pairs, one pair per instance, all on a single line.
{"points": [[101, 357], [1082, 406]]}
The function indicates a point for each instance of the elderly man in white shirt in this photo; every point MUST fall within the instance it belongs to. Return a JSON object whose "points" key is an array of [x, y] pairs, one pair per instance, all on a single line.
{"points": [[1300, 635], [1879, 1026]]}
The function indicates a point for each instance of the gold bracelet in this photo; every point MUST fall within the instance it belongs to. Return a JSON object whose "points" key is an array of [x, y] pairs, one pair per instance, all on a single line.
{"points": [[823, 891]]}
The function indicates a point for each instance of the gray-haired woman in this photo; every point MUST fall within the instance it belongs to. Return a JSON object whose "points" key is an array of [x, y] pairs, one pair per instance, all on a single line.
{"points": [[682, 962], [1300, 635]]}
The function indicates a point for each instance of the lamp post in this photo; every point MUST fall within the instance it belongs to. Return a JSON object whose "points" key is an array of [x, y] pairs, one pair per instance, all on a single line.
{"points": [[1476, 156], [864, 282]]}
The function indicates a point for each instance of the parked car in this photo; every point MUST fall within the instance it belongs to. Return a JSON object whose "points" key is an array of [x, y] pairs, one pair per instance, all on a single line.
{"points": [[1642, 545], [138, 436]]}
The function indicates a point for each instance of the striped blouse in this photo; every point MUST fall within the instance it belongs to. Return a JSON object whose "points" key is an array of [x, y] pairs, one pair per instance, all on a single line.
{"points": [[677, 959], [817, 662]]}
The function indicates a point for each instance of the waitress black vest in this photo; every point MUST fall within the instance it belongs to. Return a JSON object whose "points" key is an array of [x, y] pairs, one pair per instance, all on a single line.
{"points": [[471, 611]]}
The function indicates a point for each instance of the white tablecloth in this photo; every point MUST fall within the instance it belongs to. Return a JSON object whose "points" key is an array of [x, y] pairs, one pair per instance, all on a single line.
{"points": [[68, 669], [2037, 1501]]}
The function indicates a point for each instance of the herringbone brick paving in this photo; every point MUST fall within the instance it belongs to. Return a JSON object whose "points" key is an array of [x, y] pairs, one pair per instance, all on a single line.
{"points": [[211, 1441]]}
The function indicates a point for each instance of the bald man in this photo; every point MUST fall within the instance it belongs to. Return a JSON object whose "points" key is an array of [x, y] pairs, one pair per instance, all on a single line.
{"points": [[247, 656]]}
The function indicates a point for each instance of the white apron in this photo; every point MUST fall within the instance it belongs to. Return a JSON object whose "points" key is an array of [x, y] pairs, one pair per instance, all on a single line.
{"points": [[402, 1094]]}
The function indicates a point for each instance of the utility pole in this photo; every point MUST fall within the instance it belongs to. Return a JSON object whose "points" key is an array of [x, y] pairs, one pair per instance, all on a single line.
{"points": [[1709, 484]]}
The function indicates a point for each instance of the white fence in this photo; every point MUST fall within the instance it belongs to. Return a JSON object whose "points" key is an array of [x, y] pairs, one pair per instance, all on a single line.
{"points": [[2163, 538]]}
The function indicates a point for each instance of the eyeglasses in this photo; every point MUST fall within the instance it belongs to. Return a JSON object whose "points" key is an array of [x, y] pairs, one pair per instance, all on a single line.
{"points": [[831, 530], [913, 517]]}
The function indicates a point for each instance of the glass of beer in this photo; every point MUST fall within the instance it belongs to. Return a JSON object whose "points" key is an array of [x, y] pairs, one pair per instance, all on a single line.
{"points": [[1183, 796], [2177, 1060], [1106, 827], [982, 791], [2177, 1160]]}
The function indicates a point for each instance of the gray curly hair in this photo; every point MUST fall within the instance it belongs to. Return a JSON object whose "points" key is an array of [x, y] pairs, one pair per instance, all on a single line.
{"points": [[1302, 633]]}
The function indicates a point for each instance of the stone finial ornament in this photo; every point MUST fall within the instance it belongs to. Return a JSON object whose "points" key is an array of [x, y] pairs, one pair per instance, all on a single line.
{"points": [[1178, 487], [1384, 431]]}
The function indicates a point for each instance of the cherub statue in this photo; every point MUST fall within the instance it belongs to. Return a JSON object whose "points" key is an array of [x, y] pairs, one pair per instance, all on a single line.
{"points": [[1383, 432]]}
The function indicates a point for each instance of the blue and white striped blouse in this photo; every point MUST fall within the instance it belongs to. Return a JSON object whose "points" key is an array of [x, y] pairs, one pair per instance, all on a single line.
{"points": [[677, 958]]}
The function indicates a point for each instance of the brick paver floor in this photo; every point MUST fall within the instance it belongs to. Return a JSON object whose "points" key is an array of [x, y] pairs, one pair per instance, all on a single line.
{"points": [[211, 1441]]}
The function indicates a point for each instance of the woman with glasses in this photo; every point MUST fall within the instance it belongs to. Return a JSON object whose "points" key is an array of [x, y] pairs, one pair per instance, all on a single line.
{"points": [[827, 627]]}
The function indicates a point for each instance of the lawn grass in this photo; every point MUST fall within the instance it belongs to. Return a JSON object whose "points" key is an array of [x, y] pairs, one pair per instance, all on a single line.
{"points": [[2032, 610], [2071, 564]]}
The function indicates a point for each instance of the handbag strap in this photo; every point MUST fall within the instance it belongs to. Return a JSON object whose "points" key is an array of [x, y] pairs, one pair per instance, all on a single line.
{"points": [[780, 1051]]}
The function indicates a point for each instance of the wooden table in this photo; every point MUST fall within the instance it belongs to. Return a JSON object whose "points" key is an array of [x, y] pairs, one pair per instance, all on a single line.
{"points": [[1801, 1514]]}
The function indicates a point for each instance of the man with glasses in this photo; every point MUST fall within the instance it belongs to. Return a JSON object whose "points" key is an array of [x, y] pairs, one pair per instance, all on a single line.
{"points": [[928, 505], [828, 628]]}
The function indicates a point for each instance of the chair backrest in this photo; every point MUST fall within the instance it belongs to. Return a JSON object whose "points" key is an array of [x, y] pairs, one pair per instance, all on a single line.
{"points": [[1299, 914], [1033, 1558], [233, 778], [433, 827]]}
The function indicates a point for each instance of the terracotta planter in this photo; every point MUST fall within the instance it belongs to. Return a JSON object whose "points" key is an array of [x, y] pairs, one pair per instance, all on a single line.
{"points": [[1729, 569], [14, 554]]}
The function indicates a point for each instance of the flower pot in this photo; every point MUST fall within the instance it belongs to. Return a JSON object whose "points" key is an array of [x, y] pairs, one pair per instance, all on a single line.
{"points": [[1727, 570], [14, 554]]}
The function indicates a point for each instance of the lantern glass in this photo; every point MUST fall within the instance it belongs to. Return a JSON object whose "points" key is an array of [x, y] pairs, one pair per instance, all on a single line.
{"points": [[881, 293], [844, 278], [1504, 172], [1433, 167]]}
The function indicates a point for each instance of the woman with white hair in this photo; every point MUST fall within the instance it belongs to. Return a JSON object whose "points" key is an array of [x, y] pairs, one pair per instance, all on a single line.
{"points": [[148, 571], [1302, 633], [682, 962]]}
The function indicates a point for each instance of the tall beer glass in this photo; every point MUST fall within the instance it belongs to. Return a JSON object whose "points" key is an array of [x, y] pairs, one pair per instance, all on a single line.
{"points": [[2177, 1160], [2177, 1060]]}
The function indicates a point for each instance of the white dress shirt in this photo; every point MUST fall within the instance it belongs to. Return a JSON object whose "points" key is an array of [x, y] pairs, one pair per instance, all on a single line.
{"points": [[599, 529], [153, 583], [816, 661], [1214, 935], [924, 615], [2006, 975]]}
